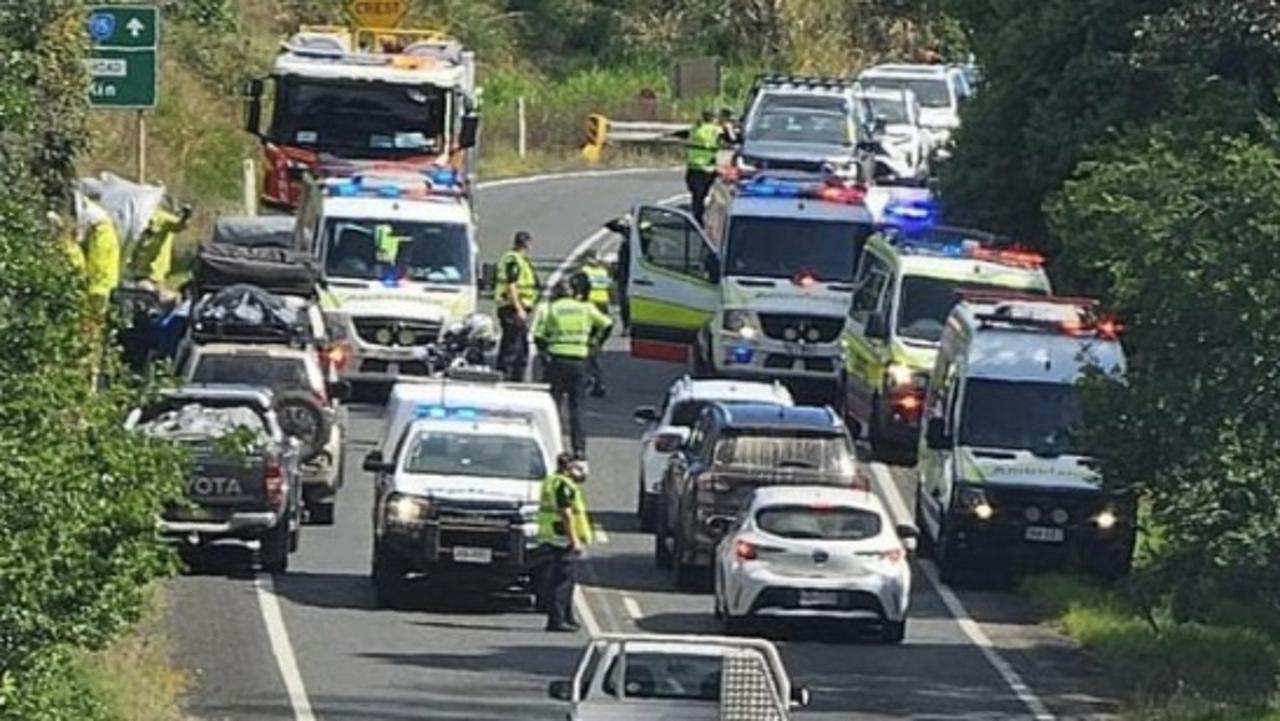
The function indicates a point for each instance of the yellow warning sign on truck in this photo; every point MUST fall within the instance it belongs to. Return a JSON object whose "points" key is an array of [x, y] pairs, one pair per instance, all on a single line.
{"points": [[378, 14]]}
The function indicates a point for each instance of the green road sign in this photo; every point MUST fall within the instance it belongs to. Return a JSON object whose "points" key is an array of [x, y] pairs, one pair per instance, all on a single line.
{"points": [[122, 59]]}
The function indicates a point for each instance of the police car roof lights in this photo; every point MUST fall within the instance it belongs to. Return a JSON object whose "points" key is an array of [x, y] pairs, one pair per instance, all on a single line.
{"points": [[825, 189], [912, 211], [927, 239], [344, 182], [1062, 315], [469, 413]]}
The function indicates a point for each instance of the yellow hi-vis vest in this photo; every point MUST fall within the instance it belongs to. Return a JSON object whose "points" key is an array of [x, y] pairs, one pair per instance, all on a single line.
{"points": [[564, 328], [102, 260], [550, 527], [600, 282], [153, 257], [526, 281], [701, 148]]}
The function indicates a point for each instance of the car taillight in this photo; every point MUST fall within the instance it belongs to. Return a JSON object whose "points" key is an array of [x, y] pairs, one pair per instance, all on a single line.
{"points": [[273, 482], [746, 551], [893, 555]]}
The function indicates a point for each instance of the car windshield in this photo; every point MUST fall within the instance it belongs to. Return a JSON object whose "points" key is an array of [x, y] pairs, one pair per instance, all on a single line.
{"points": [[819, 522], [926, 302], [686, 677], [484, 455], [894, 112], [394, 251], [344, 118], [801, 125], [791, 247], [930, 92], [1039, 417], [773, 448], [252, 369]]}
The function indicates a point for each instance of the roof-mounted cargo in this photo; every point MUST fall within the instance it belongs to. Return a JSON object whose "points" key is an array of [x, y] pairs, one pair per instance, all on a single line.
{"points": [[784, 80]]}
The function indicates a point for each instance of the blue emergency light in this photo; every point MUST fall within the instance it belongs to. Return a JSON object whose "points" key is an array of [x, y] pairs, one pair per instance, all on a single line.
{"points": [[441, 413], [918, 212], [740, 354], [442, 176]]}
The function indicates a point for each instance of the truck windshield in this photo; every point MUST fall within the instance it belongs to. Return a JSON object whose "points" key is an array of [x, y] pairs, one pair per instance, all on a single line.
{"points": [[926, 302], [930, 92], [483, 455], [792, 247], [393, 251], [828, 523], [1039, 417], [772, 448], [687, 677], [345, 118], [252, 369], [801, 125], [894, 112]]}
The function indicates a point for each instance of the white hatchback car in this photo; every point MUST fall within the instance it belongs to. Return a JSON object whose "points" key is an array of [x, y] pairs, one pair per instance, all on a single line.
{"points": [[667, 427], [815, 552]]}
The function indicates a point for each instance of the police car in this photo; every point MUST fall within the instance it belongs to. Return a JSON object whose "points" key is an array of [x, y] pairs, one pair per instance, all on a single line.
{"points": [[457, 480], [398, 251], [762, 292], [907, 282], [1003, 477]]}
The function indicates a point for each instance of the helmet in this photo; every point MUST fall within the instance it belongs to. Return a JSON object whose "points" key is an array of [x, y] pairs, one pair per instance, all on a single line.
{"points": [[479, 328]]}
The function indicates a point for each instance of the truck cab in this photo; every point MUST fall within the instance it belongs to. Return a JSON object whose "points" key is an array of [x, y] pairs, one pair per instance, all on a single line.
{"points": [[457, 478], [407, 96], [1003, 479], [397, 248], [761, 292], [906, 285]]}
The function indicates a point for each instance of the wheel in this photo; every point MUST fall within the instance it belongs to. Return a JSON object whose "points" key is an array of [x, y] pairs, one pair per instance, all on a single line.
{"points": [[274, 550], [388, 578], [952, 566], [320, 511], [295, 540], [925, 547], [302, 417], [893, 631], [647, 510]]}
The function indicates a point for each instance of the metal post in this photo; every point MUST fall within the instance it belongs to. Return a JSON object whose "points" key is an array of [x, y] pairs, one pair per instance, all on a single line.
{"points": [[142, 146], [249, 180], [521, 128]]}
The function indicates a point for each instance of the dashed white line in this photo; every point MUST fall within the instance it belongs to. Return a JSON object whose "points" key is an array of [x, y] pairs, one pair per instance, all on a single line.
{"points": [[602, 536], [898, 510], [278, 636], [632, 607]]}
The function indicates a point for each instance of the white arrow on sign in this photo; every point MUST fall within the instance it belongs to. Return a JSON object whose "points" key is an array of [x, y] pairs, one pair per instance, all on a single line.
{"points": [[135, 27]]}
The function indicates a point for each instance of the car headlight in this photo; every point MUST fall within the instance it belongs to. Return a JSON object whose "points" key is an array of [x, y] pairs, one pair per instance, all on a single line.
{"points": [[1106, 520], [974, 500], [406, 509], [739, 322]]}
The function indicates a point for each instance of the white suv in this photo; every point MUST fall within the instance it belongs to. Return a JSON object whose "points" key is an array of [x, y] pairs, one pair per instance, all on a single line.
{"points": [[940, 90], [667, 427]]}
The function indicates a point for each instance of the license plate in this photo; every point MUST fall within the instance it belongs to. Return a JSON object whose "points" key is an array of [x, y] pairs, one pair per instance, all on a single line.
{"points": [[818, 598], [1044, 534], [463, 554]]}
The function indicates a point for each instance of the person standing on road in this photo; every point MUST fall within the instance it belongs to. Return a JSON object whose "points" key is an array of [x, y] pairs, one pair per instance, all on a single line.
{"points": [[730, 133], [700, 161], [564, 531], [515, 293], [592, 284], [565, 332]]}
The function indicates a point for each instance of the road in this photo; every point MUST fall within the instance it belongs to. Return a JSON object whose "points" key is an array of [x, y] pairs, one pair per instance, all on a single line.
{"points": [[310, 644]]}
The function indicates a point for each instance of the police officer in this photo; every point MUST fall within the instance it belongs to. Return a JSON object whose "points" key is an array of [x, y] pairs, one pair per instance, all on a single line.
{"points": [[565, 331], [515, 293], [594, 288], [700, 161], [564, 531]]}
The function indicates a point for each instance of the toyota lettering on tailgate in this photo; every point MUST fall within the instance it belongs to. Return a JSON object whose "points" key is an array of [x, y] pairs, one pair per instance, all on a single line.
{"points": [[216, 486]]}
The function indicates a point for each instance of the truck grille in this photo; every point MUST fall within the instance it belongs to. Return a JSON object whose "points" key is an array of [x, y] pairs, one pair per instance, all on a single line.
{"points": [[397, 332], [797, 328]]}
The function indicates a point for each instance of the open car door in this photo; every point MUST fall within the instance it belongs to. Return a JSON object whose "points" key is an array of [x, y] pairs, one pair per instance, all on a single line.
{"points": [[672, 282]]}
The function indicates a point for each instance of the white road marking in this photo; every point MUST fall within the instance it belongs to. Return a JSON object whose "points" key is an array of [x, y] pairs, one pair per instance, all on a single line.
{"points": [[582, 608], [898, 510], [278, 635], [591, 240], [632, 607], [601, 535], [571, 175]]}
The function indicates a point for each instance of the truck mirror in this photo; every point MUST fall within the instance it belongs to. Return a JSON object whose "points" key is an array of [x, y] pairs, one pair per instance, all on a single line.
{"points": [[935, 435], [373, 462], [469, 133], [560, 690], [671, 440], [253, 107], [877, 327], [800, 696], [908, 531]]}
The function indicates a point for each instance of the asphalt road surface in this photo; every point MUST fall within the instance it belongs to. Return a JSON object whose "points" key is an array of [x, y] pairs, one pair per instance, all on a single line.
{"points": [[310, 644]]}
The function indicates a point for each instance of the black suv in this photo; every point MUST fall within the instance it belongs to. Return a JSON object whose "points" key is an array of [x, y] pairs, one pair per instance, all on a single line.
{"points": [[733, 449]]}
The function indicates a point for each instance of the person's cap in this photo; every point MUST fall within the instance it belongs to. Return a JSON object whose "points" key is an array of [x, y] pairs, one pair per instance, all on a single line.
{"points": [[708, 115], [726, 113], [523, 239]]}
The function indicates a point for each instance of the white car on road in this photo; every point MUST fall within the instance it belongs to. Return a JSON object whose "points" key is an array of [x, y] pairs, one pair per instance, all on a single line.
{"points": [[815, 552], [668, 426]]}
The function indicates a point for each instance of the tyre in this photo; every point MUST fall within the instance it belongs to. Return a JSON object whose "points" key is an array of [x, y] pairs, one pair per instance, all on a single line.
{"points": [[274, 549], [387, 575], [302, 417], [647, 510], [953, 567], [701, 366], [893, 631], [295, 540], [688, 577]]}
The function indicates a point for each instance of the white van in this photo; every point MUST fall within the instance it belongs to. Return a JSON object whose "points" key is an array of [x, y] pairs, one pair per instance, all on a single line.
{"points": [[1002, 475]]}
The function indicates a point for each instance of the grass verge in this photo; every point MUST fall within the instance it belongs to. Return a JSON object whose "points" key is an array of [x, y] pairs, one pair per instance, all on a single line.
{"points": [[135, 677], [1174, 670]]}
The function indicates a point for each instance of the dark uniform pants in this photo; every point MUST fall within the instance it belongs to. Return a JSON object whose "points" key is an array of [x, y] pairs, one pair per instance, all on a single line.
{"points": [[513, 346], [559, 578], [595, 374], [699, 184], [567, 377]]}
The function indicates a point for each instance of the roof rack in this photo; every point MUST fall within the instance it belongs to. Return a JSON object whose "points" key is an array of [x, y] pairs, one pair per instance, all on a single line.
{"points": [[810, 81]]}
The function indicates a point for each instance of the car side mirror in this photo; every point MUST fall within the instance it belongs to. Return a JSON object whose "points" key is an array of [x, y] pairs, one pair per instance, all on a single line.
{"points": [[671, 440], [469, 133], [646, 414], [877, 327], [560, 690], [373, 462], [488, 276], [253, 106], [621, 226], [935, 434], [800, 696], [340, 391]]}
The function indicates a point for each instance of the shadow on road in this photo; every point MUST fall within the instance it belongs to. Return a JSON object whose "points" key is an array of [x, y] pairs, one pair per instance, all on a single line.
{"points": [[536, 659], [355, 592]]}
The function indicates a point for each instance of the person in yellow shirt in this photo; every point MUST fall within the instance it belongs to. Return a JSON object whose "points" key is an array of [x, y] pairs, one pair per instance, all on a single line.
{"points": [[97, 236], [564, 530], [152, 259]]}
